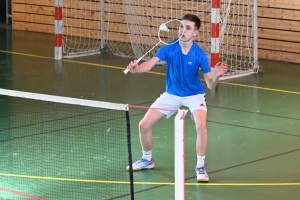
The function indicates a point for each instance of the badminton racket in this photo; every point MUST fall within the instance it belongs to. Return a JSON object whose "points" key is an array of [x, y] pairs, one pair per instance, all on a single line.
{"points": [[169, 33]]}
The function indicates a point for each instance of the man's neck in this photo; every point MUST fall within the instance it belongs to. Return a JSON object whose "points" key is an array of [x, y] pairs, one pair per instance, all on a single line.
{"points": [[186, 46]]}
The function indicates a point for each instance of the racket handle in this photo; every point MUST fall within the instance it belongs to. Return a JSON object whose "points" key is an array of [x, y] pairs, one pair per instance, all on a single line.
{"points": [[126, 71]]}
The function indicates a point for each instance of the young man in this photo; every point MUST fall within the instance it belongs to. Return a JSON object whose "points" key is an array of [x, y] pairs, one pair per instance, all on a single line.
{"points": [[183, 88]]}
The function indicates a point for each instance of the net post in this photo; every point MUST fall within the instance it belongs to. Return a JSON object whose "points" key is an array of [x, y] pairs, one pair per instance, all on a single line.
{"points": [[255, 35], [58, 40], [8, 10], [215, 33], [129, 155], [179, 155], [102, 9]]}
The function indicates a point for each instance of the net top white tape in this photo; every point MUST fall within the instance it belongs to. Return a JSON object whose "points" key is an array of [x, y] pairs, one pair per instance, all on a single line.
{"points": [[65, 100]]}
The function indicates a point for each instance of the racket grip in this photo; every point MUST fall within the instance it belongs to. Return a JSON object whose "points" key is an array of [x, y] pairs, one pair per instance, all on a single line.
{"points": [[126, 71]]}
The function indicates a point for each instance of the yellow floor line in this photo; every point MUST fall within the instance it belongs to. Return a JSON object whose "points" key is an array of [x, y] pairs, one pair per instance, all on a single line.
{"points": [[148, 183], [25, 54], [63, 60], [150, 72], [261, 88]]}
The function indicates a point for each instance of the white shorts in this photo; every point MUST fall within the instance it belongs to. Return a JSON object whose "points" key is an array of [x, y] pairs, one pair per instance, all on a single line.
{"points": [[168, 103]]}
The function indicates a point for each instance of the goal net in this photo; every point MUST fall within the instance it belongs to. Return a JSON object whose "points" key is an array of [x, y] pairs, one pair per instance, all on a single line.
{"points": [[128, 28], [93, 26]]}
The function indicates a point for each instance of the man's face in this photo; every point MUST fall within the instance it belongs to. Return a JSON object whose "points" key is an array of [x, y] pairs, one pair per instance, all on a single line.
{"points": [[190, 31]]}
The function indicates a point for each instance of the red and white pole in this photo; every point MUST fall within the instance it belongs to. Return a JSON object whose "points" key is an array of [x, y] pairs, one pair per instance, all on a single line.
{"points": [[215, 32], [58, 30]]}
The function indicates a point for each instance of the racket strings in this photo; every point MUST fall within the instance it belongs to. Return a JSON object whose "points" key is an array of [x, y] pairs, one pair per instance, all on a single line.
{"points": [[169, 32]]}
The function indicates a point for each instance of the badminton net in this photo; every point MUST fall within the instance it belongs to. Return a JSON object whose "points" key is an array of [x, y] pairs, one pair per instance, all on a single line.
{"points": [[55, 147]]}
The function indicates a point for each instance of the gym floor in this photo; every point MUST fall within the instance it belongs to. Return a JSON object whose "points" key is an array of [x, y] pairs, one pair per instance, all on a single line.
{"points": [[253, 121]]}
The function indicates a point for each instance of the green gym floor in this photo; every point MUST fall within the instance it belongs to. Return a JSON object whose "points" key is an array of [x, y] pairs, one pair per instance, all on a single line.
{"points": [[253, 123]]}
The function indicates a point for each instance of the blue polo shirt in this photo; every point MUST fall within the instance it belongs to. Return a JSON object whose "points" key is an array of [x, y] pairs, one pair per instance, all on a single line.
{"points": [[182, 70]]}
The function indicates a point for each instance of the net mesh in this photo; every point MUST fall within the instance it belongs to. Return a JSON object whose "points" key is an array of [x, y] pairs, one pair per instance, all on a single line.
{"points": [[129, 28], [53, 150], [81, 27], [237, 39]]}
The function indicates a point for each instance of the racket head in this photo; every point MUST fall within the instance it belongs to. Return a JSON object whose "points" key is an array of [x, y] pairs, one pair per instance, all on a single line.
{"points": [[171, 31]]}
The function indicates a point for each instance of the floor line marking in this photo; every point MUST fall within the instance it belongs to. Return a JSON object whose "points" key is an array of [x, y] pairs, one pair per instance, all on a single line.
{"points": [[149, 183], [63, 60], [262, 88], [150, 72], [22, 194]]}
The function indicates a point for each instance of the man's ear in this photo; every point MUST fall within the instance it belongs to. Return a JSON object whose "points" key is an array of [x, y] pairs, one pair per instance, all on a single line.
{"points": [[196, 32]]}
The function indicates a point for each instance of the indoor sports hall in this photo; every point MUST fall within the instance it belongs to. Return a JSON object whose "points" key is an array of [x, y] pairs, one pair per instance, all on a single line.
{"points": [[69, 115]]}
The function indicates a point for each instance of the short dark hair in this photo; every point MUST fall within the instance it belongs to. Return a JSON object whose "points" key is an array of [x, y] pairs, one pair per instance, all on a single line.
{"points": [[193, 18]]}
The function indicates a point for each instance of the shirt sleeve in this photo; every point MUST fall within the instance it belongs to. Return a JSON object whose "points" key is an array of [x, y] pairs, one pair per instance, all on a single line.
{"points": [[162, 53], [204, 63]]}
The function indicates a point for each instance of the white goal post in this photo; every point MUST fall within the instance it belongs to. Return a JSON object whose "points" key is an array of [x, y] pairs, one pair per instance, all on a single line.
{"points": [[128, 28]]}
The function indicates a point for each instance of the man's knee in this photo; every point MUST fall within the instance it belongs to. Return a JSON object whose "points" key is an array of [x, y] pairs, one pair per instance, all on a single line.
{"points": [[144, 126], [201, 128]]}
